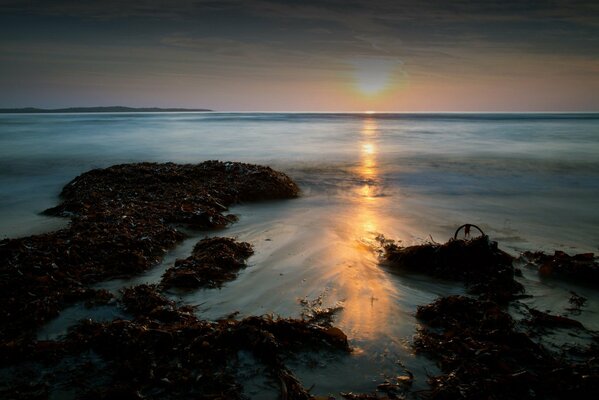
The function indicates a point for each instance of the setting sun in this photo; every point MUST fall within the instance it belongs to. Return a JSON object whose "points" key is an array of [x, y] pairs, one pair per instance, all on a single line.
{"points": [[368, 148], [372, 76]]}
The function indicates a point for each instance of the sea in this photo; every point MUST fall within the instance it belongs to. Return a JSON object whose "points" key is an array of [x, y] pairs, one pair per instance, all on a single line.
{"points": [[529, 180]]}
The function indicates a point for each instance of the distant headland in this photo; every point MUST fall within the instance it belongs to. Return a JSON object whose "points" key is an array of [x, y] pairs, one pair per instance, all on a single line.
{"points": [[110, 109]]}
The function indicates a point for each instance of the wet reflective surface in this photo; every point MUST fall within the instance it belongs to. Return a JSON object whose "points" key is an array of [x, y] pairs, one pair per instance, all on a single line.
{"points": [[530, 184]]}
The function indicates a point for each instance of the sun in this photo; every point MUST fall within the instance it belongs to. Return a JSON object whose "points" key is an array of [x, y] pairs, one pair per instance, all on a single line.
{"points": [[368, 148], [373, 76]]}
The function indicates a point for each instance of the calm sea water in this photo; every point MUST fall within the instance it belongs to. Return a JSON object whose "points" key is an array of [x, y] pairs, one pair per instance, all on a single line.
{"points": [[531, 181]]}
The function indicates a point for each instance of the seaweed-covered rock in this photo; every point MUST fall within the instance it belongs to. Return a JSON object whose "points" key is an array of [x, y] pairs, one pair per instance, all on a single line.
{"points": [[121, 224], [143, 299], [192, 193], [212, 262], [147, 357], [553, 321], [483, 356], [582, 268], [478, 262], [458, 311]]}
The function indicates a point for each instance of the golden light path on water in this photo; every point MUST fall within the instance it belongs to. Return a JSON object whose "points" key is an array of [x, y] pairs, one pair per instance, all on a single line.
{"points": [[368, 290], [316, 247]]}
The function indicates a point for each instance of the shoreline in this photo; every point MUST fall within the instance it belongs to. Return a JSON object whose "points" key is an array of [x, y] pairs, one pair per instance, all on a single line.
{"points": [[124, 207], [108, 109], [123, 220], [548, 201]]}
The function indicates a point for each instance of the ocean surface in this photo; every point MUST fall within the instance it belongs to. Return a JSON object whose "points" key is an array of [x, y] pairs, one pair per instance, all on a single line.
{"points": [[530, 181]]}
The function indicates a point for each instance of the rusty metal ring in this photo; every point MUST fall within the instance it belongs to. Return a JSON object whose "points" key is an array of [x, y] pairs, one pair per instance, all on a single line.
{"points": [[466, 228]]}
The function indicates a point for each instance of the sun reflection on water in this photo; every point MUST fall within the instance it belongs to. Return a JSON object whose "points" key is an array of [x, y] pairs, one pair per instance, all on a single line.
{"points": [[367, 288], [368, 169], [368, 148]]}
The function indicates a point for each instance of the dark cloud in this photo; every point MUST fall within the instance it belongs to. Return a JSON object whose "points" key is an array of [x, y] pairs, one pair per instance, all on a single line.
{"points": [[400, 9]]}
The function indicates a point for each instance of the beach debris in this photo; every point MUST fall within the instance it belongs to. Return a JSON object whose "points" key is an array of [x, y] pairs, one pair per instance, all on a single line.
{"points": [[467, 230], [478, 262], [213, 261], [315, 312], [583, 268]]}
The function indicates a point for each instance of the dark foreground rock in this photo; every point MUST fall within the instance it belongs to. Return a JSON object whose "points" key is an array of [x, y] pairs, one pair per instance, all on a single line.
{"points": [[477, 262], [123, 220]]}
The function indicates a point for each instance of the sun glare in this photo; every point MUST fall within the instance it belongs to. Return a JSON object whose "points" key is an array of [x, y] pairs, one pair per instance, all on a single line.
{"points": [[373, 75], [368, 148]]}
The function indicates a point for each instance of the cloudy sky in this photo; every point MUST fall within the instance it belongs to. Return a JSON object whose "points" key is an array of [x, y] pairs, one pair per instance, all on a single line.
{"points": [[330, 55]]}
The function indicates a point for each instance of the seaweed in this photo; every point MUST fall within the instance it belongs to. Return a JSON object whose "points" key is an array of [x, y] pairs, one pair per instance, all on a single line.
{"points": [[123, 219], [582, 268], [478, 262], [481, 350], [122, 223], [149, 356], [483, 355], [213, 261]]}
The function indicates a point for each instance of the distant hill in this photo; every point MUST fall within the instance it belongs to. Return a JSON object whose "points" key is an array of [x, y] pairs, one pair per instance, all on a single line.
{"points": [[111, 109]]}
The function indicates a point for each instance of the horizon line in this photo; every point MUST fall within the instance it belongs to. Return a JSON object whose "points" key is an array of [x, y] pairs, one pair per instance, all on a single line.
{"points": [[6, 110]]}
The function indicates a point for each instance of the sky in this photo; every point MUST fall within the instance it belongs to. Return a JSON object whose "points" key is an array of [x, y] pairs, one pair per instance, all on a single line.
{"points": [[330, 55]]}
